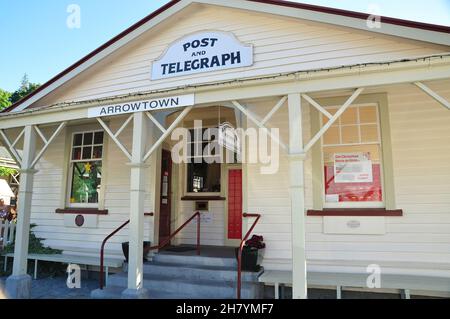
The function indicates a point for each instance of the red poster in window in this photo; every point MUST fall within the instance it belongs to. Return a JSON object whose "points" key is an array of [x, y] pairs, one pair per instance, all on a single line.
{"points": [[353, 192]]}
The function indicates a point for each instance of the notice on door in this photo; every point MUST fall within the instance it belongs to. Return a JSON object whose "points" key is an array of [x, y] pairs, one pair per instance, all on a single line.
{"points": [[352, 168]]}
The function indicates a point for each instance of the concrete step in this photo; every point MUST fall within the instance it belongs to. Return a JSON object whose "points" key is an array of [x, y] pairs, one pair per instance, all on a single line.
{"points": [[195, 260], [194, 289], [196, 272]]}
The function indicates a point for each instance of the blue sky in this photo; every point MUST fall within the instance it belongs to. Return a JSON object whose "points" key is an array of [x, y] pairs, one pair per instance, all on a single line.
{"points": [[37, 41]]}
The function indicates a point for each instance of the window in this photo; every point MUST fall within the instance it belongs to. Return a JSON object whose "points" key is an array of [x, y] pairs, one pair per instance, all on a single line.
{"points": [[203, 168], [352, 159], [86, 169]]}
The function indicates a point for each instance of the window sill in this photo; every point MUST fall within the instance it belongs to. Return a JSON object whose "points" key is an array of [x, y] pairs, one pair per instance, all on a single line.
{"points": [[82, 211], [352, 212], [204, 198]]}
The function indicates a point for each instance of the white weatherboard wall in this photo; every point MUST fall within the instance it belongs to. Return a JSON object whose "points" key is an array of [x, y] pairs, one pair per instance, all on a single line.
{"points": [[417, 242], [50, 182], [280, 45], [212, 234]]}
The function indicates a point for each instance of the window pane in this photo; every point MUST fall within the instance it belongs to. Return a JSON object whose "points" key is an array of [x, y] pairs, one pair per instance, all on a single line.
{"points": [[98, 138], [368, 114], [87, 152], [350, 116], [350, 134], [86, 182], [203, 178], [76, 153], [77, 139], [331, 136], [369, 133], [98, 152], [88, 138]]}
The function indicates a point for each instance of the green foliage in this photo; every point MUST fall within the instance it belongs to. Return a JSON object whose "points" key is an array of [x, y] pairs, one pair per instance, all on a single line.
{"points": [[7, 98], [85, 182], [46, 268], [35, 246], [25, 88], [4, 99], [7, 171]]}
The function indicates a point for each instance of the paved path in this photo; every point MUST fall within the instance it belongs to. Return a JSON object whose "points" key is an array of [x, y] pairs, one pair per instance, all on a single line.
{"points": [[56, 288]]}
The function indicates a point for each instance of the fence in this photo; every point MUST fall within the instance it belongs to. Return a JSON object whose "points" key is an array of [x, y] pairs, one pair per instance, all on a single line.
{"points": [[7, 230]]}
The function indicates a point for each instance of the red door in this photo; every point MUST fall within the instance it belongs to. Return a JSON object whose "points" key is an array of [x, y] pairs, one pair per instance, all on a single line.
{"points": [[235, 204], [164, 204]]}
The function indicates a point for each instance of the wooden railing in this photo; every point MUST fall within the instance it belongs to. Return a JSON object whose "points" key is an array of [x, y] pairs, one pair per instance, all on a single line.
{"points": [[146, 250], [241, 247]]}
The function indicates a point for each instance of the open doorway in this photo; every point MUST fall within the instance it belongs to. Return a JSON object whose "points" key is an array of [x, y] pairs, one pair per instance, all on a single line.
{"points": [[165, 196]]}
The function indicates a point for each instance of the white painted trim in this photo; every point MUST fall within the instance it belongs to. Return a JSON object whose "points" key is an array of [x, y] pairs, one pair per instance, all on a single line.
{"points": [[354, 205], [124, 125], [274, 110], [433, 94], [325, 128], [155, 121], [141, 131], [168, 131], [319, 107], [24, 203], [41, 135], [18, 137], [397, 72], [12, 150], [297, 198], [253, 118], [47, 144], [114, 138]]}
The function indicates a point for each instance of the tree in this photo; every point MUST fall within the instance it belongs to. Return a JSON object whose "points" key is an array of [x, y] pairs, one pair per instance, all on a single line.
{"points": [[4, 99], [25, 88], [6, 171]]}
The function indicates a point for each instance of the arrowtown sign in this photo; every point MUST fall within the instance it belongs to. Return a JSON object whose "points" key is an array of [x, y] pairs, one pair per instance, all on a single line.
{"points": [[142, 106], [202, 52]]}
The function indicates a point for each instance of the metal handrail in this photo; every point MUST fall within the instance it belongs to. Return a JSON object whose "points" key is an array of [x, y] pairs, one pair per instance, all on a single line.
{"points": [[146, 250], [241, 247], [167, 241], [102, 250]]}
